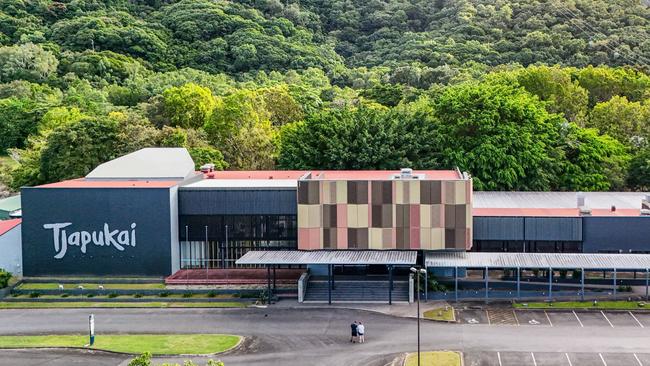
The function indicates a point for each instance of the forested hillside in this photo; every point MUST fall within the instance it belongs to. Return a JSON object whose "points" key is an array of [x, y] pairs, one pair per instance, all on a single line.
{"points": [[526, 95]]}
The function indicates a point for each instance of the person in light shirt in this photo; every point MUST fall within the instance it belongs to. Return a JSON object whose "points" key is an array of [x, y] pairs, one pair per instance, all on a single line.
{"points": [[361, 331]]}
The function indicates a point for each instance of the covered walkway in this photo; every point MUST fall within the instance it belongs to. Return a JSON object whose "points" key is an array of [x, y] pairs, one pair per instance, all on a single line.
{"points": [[330, 258], [550, 262]]}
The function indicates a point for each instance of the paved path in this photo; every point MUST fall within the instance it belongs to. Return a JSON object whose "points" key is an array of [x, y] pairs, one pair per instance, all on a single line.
{"points": [[309, 336]]}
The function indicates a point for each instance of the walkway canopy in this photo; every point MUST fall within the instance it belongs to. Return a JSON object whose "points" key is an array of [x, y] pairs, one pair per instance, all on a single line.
{"points": [[336, 257], [538, 260]]}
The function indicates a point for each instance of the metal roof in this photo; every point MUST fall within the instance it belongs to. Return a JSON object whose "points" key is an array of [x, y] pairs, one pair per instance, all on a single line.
{"points": [[397, 257], [538, 260], [10, 203], [148, 163], [7, 225], [243, 184], [554, 200]]}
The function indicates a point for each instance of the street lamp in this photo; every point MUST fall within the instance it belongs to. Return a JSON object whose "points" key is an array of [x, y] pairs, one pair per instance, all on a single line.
{"points": [[417, 272]]}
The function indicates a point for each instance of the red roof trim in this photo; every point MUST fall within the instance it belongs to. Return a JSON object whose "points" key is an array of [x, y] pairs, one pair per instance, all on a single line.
{"points": [[7, 225], [550, 212], [83, 183]]}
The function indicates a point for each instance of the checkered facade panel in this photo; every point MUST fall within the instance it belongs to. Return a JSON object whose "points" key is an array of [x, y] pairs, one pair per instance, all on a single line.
{"points": [[390, 214]]}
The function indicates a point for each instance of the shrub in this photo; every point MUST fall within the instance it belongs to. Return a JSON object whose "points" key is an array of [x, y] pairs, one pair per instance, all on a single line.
{"points": [[212, 294], [137, 296], [4, 278], [187, 295], [64, 295], [90, 295], [112, 295], [142, 360], [34, 295], [163, 294]]}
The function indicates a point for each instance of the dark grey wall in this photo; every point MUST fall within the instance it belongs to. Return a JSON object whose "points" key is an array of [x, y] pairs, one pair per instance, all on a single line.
{"points": [[535, 228], [616, 233], [87, 209], [237, 202], [498, 228]]}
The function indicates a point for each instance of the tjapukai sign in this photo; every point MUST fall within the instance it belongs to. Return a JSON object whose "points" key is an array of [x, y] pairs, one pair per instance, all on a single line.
{"points": [[105, 237]]}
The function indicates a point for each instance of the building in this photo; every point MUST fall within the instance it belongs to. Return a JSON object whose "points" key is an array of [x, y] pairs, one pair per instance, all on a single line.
{"points": [[10, 246], [10, 207], [151, 213]]}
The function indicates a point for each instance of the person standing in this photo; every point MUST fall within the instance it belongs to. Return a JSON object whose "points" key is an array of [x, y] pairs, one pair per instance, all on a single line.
{"points": [[355, 333], [361, 331]]}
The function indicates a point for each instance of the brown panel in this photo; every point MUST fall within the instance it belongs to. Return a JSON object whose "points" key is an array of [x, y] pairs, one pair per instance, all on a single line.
{"points": [[329, 216], [352, 238], [303, 192], [399, 212], [459, 238], [386, 216], [329, 238], [400, 237], [376, 194], [449, 238], [362, 192], [352, 192], [436, 192], [375, 215], [425, 192], [450, 216], [314, 193], [362, 238], [461, 216], [387, 192]]}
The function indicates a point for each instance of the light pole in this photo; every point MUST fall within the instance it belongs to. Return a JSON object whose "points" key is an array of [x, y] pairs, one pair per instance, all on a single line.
{"points": [[417, 272]]}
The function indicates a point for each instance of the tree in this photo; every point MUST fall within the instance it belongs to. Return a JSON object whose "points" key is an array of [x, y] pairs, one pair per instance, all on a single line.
{"points": [[628, 122], [26, 61], [207, 154], [188, 106], [639, 171], [18, 119], [501, 135], [73, 150]]}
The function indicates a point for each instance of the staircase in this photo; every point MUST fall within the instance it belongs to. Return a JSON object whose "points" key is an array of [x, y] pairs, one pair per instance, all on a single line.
{"points": [[357, 291]]}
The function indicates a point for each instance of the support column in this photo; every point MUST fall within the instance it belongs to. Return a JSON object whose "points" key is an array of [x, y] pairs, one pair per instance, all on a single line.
{"points": [[390, 285], [550, 284], [582, 284], [426, 285], [268, 283], [518, 283], [647, 279], [614, 284], [485, 275], [333, 284], [274, 278], [329, 284], [456, 283]]}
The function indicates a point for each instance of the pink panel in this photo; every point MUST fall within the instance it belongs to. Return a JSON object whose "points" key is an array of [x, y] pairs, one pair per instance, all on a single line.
{"points": [[415, 238], [303, 239], [314, 238], [342, 238], [415, 216], [342, 215]]}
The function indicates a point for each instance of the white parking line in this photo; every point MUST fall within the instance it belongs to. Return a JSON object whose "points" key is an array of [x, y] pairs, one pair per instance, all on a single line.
{"points": [[488, 317], [499, 358], [579, 321], [568, 359], [515, 314], [547, 317], [602, 359], [605, 316], [534, 361], [637, 320], [637, 359]]}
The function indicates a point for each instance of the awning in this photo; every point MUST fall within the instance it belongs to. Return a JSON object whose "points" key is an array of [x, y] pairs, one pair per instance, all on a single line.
{"points": [[394, 257], [538, 260]]}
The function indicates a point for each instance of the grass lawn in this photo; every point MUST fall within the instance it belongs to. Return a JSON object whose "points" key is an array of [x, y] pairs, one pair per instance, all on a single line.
{"points": [[612, 305], [440, 358], [92, 286], [440, 314], [168, 344], [89, 304]]}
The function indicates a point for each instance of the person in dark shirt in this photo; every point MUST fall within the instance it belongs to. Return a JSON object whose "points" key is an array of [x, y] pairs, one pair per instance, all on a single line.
{"points": [[354, 336]]}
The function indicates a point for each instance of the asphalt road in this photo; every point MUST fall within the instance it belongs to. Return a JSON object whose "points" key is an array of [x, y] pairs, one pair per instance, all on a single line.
{"points": [[308, 336]]}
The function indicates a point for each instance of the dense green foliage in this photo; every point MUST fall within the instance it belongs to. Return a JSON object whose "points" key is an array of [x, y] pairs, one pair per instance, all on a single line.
{"points": [[526, 95]]}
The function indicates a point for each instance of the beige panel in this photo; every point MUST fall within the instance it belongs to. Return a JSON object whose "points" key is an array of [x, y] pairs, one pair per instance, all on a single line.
{"points": [[460, 194], [387, 238], [425, 215], [437, 238], [362, 215], [327, 195], [437, 215], [303, 216], [450, 193], [468, 217], [314, 220], [425, 239], [341, 191], [375, 238], [414, 191], [353, 216], [399, 192]]}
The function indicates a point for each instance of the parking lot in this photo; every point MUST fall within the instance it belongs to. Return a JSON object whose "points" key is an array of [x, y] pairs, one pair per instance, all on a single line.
{"points": [[554, 359], [554, 318]]}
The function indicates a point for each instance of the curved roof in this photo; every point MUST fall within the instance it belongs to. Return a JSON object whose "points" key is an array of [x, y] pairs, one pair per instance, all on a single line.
{"points": [[152, 163]]}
